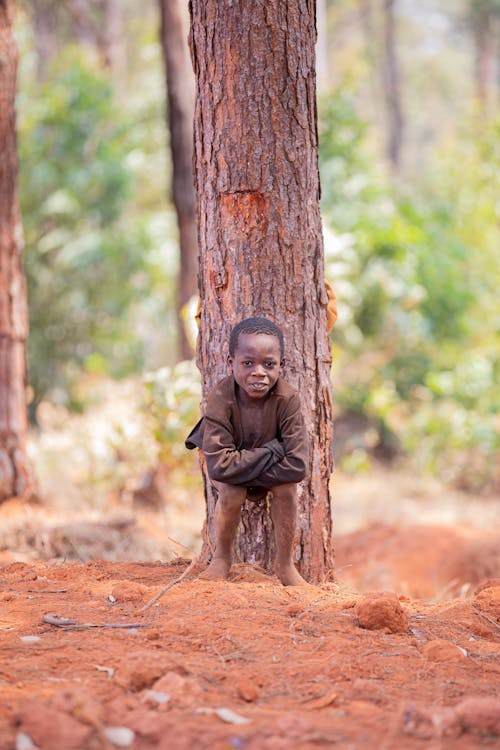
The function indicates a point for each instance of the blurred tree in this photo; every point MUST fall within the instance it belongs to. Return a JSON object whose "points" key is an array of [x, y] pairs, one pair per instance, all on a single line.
{"points": [[484, 16], [87, 256], [16, 477], [44, 17], [95, 24], [392, 86], [261, 247], [180, 109]]}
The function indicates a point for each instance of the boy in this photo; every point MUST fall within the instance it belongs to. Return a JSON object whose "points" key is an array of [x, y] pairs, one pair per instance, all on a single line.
{"points": [[254, 440]]}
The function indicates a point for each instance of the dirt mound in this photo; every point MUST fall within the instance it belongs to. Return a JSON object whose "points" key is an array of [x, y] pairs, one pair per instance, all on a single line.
{"points": [[241, 664], [428, 562]]}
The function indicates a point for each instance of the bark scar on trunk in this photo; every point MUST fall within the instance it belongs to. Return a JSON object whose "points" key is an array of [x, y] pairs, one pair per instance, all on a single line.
{"points": [[245, 209]]}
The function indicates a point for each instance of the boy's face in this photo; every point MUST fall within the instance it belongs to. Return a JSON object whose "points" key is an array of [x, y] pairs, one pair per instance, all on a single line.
{"points": [[256, 364]]}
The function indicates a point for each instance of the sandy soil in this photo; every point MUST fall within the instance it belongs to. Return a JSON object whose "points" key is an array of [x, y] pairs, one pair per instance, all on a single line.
{"points": [[250, 664]]}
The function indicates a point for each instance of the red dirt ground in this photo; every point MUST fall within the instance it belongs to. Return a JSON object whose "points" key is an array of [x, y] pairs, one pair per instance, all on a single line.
{"points": [[250, 664]]}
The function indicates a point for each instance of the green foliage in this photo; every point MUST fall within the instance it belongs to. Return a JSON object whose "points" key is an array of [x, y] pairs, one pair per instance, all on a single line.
{"points": [[415, 270], [172, 401], [88, 258]]}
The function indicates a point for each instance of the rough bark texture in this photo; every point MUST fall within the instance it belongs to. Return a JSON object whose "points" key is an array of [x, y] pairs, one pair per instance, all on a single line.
{"points": [[180, 109], [261, 249], [16, 478]]}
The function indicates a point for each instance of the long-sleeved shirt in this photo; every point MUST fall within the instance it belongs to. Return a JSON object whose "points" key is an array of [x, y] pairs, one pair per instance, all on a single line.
{"points": [[276, 453]]}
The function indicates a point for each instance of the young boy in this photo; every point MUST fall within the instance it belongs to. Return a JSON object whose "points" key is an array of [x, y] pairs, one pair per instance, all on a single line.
{"points": [[254, 441]]}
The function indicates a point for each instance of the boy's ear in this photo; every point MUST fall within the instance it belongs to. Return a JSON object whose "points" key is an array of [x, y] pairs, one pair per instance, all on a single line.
{"points": [[282, 362], [229, 360]]}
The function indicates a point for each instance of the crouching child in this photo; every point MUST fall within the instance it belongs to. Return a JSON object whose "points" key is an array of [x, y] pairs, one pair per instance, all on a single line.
{"points": [[253, 437]]}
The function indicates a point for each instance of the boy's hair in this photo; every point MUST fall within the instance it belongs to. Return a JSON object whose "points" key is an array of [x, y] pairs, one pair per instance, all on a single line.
{"points": [[255, 325]]}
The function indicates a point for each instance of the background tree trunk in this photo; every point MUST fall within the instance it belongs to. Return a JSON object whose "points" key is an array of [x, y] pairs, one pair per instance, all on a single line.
{"points": [[483, 16], [180, 110], [112, 39], [44, 20], [261, 249], [16, 478], [392, 87]]}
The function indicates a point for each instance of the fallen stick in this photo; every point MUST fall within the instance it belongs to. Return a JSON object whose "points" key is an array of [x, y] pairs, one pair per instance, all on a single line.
{"points": [[67, 624], [169, 586]]}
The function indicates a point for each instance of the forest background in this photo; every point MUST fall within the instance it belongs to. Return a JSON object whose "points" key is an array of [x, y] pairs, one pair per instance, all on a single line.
{"points": [[410, 170]]}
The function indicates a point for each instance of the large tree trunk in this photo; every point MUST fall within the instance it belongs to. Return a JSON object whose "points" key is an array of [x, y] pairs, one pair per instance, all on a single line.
{"points": [[16, 478], [180, 106], [261, 249]]}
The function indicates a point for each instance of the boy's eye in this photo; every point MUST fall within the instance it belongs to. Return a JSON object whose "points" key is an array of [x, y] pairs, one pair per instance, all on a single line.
{"points": [[247, 362], [270, 364]]}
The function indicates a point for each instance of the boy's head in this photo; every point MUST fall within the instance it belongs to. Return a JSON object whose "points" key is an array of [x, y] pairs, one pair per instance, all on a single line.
{"points": [[256, 349], [256, 325]]}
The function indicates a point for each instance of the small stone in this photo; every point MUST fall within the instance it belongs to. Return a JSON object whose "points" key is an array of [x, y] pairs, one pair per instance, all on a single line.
{"points": [[382, 612], [247, 689], [24, 742], [128, 591], [439, 650], [120, 736]]}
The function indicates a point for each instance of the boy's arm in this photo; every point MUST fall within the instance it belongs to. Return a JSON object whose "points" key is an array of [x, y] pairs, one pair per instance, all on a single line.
{"points": [[293, 466], [225, 463]]}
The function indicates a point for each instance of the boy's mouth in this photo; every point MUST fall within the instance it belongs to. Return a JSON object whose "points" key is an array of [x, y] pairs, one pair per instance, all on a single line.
{"points": [[258, 386]]}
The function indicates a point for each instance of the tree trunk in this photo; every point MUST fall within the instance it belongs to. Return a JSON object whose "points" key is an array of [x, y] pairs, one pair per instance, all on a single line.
{"points": [[180, 109], [483, 22], [44, 22], [261, 249], [111, 39], [16, 477], [392, 88]]}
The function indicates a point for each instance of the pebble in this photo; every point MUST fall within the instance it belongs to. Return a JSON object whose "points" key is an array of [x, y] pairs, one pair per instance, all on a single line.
{"points": [[246, 689], [382, 612], [120, 736], [440, 650]]}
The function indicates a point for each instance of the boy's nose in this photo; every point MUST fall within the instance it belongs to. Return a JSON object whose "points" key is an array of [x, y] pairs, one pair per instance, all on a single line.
{"points": [[259, 370]]}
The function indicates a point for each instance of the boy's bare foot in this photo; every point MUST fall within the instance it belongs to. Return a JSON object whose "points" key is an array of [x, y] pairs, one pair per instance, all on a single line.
{"points": [[290, 576], [218, 570]]}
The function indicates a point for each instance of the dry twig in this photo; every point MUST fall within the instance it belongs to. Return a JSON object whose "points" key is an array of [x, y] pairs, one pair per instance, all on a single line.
{"points": [[65, 623], [169, 585]]}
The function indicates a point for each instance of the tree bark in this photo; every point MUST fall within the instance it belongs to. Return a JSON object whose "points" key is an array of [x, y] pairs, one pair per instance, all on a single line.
{"points": [[261, 248], [180, 110], [483, 23], [16, 477], [392, 87]]}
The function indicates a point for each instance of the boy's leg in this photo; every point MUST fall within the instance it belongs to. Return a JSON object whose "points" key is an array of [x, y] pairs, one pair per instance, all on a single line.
{"points": [[284, 515], [227, 517]]}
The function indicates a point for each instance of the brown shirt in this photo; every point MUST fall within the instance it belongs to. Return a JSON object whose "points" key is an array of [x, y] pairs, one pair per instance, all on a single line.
{"points": [[270, 452]]}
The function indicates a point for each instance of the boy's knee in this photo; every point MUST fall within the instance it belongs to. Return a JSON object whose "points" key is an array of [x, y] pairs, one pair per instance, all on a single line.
{"points": [[230, 497], [285, 492]]}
